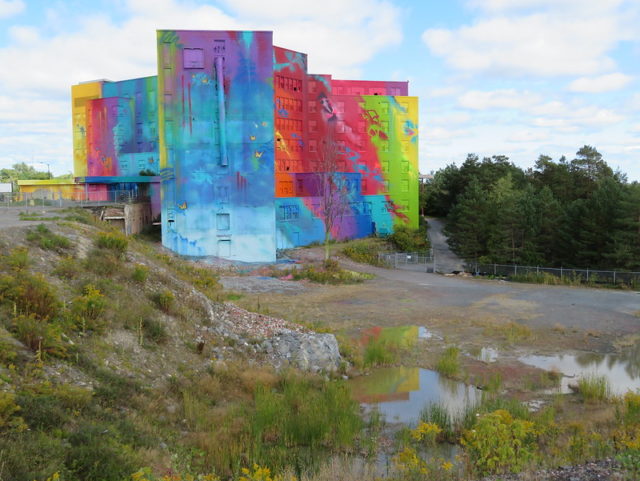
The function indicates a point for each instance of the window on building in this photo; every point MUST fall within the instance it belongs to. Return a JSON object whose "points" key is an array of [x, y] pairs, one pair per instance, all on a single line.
{"points": [[289, 212], [223, 221], [193, 58]]}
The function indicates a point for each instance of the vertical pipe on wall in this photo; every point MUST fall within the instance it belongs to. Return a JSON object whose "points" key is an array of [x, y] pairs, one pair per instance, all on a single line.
{"points": [[222, 127]]}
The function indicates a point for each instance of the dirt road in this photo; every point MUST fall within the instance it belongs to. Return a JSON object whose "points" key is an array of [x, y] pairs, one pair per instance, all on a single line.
{"points": [[446, 261]]}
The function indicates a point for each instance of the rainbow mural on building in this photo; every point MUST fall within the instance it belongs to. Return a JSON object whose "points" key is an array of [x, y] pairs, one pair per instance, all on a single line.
{"points": [[245, 142]]}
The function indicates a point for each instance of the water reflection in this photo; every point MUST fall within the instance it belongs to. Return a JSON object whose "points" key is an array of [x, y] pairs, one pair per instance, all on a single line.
{"points": [[401, 393], [622, 370]]}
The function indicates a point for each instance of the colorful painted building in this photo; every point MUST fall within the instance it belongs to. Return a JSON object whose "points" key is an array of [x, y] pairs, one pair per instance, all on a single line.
{"points": [[253, 153], [249, 142]]}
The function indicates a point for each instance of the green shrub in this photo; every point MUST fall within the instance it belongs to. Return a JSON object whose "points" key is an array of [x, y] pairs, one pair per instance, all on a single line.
{"points": [[165, 300], [29, 455], [436, 413], [67, 268], [18, 259], [140, 273], [9, 409], [498, 443], [45, 239], [631, 414], [115, 241], [31, 294], [154, 330], [103, 263], [449, 362], [87, 309], [39, 335], [364, 251], [405, 239], [95, 453]]}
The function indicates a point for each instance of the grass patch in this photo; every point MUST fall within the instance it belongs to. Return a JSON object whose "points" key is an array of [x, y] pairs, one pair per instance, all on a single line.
{"points": [[45, 239], [164, 300], [329, 272], [114, 241], [594, 388], [379, 353], [449, 363], [140, 273], [68, 268], [364, 251]]}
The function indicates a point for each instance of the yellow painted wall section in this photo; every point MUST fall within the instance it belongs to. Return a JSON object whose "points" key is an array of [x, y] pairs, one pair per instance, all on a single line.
{"points": [[52, 189], [80, 94]]}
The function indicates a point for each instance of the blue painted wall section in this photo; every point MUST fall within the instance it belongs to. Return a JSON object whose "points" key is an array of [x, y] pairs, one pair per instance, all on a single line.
{"points": [[217, 143]]}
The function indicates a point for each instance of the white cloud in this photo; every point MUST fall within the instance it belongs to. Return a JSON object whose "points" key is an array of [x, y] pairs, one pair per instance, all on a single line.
{"points": [[443, 92], [338, 36], [23, 34], [511, 5], [9, 8], [603, 83], [569, 118], [538, 44], [443, 135], [528, 135], [502, 99]]}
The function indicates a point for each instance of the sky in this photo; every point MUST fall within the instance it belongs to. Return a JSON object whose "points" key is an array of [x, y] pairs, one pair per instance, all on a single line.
{"points": [[518, 78]]}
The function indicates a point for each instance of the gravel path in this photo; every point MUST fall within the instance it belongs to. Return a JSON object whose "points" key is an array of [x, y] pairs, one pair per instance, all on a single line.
{"points": [[446, 260]]}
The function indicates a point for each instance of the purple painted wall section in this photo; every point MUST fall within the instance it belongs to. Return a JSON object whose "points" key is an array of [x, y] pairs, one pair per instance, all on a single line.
{"points": [[216, 143]]}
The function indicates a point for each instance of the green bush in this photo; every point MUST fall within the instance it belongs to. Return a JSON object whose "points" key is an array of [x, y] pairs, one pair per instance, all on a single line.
{"points": [[9, 410], [31, 294], [67, 268], [95, 453], [449, 362], [18, 259], [39, 335], [405, 239], [115, 241], [103, 262], [45, 239], [154, 330], [87, 309], [140, 273], [364, 251], [165, 300], [29, 455], [498, 443]]}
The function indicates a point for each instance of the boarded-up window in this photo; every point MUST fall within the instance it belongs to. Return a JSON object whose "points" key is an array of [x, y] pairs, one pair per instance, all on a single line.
{"points": [[193, 58]]}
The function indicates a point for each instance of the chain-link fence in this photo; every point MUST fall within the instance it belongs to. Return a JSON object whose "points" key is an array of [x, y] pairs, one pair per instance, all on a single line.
{"points": [[415, 261], [76, 199], [551, 275]]}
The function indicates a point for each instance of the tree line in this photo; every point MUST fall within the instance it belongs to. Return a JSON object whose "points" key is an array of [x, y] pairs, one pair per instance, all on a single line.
{"points": [[569, 213]]}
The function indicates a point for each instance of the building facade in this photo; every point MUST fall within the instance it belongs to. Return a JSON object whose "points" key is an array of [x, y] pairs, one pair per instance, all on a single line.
{"points": [[253, 152]]}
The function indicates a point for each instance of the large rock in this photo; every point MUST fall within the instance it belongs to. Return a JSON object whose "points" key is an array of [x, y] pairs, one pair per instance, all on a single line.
{"points": [[309, 351]]}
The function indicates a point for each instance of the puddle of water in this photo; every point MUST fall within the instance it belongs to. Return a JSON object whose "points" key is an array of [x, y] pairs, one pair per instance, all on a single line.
{"points": [[401, 393], [399, 336], [622, 370]]}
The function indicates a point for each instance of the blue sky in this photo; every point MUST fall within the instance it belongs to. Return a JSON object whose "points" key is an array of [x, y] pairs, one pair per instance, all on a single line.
{"points": [[513, 77]]}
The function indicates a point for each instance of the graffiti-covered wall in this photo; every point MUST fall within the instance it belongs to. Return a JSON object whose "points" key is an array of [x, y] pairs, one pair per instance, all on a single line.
{"points": [[254, 153], [217, 143], [362, 132]]}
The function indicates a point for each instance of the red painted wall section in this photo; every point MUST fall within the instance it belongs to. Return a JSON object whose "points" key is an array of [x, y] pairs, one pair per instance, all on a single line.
{"points": [[290, 105], [109, 132]]}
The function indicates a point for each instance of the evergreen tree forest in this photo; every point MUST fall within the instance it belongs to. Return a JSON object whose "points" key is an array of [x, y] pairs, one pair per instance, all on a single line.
{"points": [[569, 213]]}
